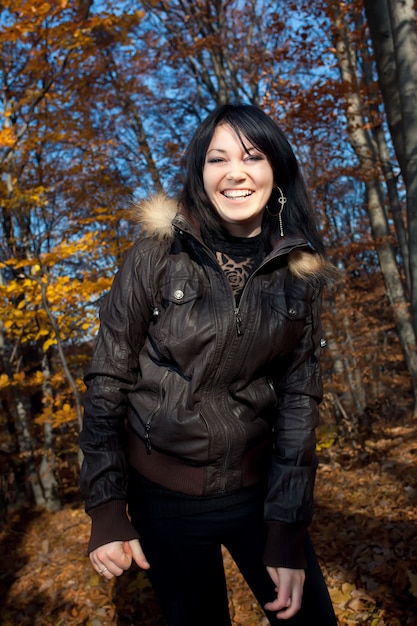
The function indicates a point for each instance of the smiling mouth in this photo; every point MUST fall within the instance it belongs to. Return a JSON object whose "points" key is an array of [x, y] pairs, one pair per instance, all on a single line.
{"points": [[232, 194]]}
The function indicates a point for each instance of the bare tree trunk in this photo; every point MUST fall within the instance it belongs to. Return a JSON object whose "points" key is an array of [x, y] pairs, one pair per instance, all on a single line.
{"points": [[64, 362], [345, 366], [47, 469], [394, 201], [61, 353], [404, 34], [379, 24], [22, 428], [365, 149], [392, 24], [378, 131]]}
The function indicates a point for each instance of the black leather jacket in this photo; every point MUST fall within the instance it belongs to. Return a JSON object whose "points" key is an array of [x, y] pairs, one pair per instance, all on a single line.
{"points": [[209, 392]]}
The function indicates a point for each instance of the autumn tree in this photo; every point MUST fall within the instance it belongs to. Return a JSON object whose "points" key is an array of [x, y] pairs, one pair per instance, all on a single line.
{"points": [[59, 173]]}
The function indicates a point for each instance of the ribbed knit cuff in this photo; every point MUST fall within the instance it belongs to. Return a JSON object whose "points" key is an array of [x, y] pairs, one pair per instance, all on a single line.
{"points": [[284, 545], [110, 523]]}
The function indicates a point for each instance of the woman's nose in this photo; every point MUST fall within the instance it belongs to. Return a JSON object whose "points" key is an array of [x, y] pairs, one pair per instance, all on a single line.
{"points": [[236, 173]]}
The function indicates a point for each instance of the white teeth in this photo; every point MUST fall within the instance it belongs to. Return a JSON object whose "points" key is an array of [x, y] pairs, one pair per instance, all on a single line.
{"points": [[237, 193]]}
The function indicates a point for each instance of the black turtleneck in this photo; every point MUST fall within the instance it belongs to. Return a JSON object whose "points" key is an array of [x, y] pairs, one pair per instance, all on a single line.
{"points": [[237, 256]]}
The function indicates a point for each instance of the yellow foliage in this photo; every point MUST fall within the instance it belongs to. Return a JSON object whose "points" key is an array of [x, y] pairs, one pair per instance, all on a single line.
{"points": [[38, 378], [48, 343], [42, 332], [326, 437], [46, 416], [7, 138], [64, 415], [19, 377], [4, 381]]}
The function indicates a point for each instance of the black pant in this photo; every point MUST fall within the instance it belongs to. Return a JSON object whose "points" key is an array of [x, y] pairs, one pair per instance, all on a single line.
{"points": [[183, 543]]}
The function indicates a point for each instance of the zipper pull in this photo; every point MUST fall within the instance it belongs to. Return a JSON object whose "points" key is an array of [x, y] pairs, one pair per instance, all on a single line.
{"points": [[238, 323], [147, 438]]}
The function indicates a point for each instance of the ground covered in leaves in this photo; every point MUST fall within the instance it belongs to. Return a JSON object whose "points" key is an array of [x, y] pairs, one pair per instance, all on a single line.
{"points": [[365, 533]]}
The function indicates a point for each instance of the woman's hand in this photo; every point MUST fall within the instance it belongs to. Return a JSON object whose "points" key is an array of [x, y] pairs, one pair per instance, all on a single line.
{"points": [[289, 587], [114, 558]]}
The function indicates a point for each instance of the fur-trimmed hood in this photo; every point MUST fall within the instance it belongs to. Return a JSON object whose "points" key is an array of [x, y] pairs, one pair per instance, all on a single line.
{"points": [[156, 214]]}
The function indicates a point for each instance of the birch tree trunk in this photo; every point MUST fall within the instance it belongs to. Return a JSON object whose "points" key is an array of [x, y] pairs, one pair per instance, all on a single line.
{"points": [[22, 428], [352, 399], [47, 469]]}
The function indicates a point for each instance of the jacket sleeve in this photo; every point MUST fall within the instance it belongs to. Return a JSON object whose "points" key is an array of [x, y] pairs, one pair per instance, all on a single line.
{"points": [[124, 319], [289, 499]]}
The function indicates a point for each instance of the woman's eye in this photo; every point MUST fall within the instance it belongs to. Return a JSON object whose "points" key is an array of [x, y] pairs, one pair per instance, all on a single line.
{"points": [[215, 160], [254, 157]]}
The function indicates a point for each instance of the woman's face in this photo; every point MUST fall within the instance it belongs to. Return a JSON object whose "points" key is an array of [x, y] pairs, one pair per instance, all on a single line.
{"points": [[238, 182]]}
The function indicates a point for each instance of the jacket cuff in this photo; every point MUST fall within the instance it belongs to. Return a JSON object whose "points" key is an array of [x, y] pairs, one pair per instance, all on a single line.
{"points": [[109, 522], [284, 545]]}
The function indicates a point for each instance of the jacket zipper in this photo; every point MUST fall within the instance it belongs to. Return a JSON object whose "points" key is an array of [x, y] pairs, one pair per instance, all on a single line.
{"points": [[238, 322], [161, 396], [238, 316]]}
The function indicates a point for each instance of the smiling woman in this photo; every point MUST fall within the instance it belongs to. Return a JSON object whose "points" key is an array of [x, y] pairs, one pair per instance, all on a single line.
{"points": [[238, 180], [203, 394]]}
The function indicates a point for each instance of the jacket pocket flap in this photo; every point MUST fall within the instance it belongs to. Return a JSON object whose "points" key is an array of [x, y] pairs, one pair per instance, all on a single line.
{"points": [[182, 291], [292, 308]]}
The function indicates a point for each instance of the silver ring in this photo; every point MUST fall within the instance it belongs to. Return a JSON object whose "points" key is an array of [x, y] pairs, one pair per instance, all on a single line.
{"points": [[101, 571]]}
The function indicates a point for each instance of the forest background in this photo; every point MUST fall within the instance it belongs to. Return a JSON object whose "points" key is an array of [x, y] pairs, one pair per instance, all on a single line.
{"points": [[98, 101]]}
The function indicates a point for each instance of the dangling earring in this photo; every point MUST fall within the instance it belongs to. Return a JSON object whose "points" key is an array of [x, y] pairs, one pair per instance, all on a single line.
{"points": [[282, 200]]}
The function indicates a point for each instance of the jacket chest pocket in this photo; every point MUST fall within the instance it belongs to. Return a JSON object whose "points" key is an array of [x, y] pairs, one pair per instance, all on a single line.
{"points": [[182, 308], [289, 315], [293, 309]]}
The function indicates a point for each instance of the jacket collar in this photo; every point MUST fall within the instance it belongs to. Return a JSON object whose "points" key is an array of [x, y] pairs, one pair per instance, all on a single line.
{"points": [[160, 217]]}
